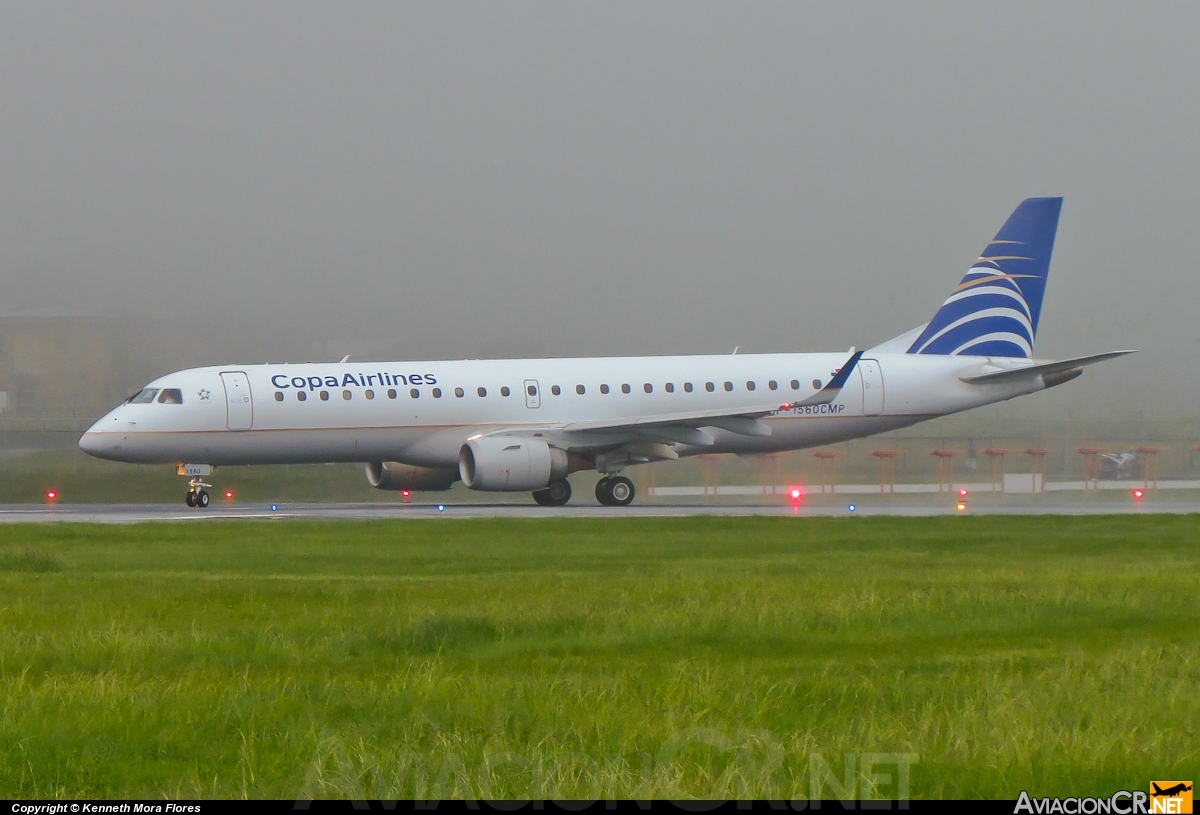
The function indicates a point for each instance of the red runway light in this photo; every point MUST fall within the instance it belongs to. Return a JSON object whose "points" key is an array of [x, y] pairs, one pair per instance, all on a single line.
{"points": [[962, 493], [51, 495], [406, 493], [1138, 494], [228, 494]]}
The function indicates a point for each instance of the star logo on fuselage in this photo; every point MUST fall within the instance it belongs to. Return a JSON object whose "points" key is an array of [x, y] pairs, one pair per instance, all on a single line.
{"points": [[203, 393]]}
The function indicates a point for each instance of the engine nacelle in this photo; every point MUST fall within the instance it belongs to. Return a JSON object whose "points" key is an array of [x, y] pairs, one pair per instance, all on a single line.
{"points": [[510, 464], [392, 475]]}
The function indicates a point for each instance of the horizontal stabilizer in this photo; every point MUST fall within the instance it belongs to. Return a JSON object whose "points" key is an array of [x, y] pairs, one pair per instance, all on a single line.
{"points": [[1044, 369]]}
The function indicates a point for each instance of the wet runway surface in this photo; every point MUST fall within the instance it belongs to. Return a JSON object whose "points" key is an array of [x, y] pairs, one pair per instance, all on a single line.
{"points": [[138, 513]]}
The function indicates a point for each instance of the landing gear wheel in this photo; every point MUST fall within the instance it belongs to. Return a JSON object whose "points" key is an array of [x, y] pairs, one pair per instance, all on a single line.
{"points": [[620, 491], [557, 494], [191, 499], [202, 499], [614, 491], [602, 493]]}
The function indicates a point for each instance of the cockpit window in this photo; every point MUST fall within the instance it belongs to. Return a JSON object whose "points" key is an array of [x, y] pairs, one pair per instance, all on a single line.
{"points": [[171, 396], [143, 396]]}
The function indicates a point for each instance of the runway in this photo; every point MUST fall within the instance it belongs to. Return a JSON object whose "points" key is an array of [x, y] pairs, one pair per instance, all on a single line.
{"points": [[141, 513]]}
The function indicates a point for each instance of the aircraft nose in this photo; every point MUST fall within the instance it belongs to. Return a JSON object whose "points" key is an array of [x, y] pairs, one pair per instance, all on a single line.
{"points": [[99, 441], [90, 441]]}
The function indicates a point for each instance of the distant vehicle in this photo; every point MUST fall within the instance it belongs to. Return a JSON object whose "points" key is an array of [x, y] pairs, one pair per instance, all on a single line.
{"points": [[526, 424], [1121, 466]]}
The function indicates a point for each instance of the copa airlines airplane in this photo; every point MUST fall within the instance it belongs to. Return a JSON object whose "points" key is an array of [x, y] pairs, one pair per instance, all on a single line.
{"points": [[525, 425]]}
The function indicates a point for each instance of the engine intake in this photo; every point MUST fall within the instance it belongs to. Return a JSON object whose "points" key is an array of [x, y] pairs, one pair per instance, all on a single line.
{"points": [[511, 464], [392, 475]]}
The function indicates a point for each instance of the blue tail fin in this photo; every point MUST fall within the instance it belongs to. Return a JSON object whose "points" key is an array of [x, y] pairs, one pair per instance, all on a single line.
{"points": [[994, 310]]}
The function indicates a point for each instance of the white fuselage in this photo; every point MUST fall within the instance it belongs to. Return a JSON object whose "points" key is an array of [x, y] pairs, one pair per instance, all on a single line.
{"points": [[421, 413]]}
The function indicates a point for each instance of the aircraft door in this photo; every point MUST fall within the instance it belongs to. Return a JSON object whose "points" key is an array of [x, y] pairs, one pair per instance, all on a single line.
{"points": [[872, 381], [238, 403], [533, 397]]}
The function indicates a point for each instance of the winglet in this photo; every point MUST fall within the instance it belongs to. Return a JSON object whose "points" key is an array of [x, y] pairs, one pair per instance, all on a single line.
{"points": [[831, 391]]}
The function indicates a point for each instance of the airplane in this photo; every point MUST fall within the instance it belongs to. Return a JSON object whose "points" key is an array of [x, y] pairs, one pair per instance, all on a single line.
{"points": [[515, 425], [1170, 792]]}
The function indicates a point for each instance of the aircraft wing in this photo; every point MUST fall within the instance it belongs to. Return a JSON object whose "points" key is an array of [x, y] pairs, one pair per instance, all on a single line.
{"points": [[659, 431], [744, 420], [1065, 366], [694, 418]]}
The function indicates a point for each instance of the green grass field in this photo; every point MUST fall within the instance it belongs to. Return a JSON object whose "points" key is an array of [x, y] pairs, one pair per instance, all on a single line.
{"points": [[705, 657]]}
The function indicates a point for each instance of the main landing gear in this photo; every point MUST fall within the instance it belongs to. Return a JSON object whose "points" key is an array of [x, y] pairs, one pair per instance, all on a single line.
{"points": [[611, 491], [555, 495], [614, 491], [196, 495]]}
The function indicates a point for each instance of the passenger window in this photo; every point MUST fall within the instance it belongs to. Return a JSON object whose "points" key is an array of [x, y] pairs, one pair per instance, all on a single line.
{"points": [[670, 386], [346, 395], [795, 384], [143, 396], [749, 386], [648, 388], [278, 396], [301, 396], [481, 391], [580, 389], [687, 386], [816, 384], [459, 392], [414, 393], [369, 394], [710, 387], [604, 388], [391, 393], [324, 396], [728, 386], [171, 396], [625, 389], [531, 390], [773, 385], [437, 393], [504, 391], [556, 390]]}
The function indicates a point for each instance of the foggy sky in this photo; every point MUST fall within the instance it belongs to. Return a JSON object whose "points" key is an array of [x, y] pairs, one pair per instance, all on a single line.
{"points": [[444, 180]]}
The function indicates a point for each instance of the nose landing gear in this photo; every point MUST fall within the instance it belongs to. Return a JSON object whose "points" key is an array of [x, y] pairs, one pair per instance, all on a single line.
{"points": [[197, 496]]}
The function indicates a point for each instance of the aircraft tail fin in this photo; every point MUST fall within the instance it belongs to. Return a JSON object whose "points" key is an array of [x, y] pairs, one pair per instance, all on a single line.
{"points": [[994, 310]]}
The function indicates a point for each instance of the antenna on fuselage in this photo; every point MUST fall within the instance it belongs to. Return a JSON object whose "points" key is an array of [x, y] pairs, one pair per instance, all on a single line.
{"points": [[345, 358], [736, 348]]}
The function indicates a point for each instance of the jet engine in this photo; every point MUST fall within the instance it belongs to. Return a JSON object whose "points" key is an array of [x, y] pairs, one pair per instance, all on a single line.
{"points": [[511, 464], [392, 475]]}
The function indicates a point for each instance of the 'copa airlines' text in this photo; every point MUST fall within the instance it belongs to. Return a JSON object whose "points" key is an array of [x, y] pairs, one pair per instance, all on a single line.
{"points": [[282, 381]]}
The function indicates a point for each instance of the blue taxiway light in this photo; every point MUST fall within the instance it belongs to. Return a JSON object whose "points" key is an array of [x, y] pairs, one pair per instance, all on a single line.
{"points": [[441, 507], [274, 507], [851, 507]]}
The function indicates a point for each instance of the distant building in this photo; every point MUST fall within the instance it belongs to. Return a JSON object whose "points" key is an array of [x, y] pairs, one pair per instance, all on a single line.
{"points": [[72, 365]]}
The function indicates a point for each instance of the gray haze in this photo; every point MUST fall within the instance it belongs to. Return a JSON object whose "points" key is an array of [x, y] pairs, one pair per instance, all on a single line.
{"points": [[292, 181]]}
